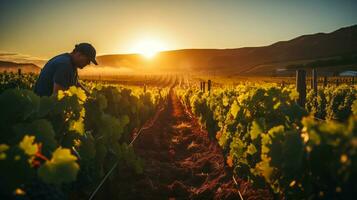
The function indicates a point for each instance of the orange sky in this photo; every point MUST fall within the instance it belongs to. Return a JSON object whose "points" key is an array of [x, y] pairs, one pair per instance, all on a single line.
{"points": [[47, 28]]}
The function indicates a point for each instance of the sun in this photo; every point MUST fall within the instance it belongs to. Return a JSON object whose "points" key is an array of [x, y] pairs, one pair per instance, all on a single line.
{"points": [[148, 47]]}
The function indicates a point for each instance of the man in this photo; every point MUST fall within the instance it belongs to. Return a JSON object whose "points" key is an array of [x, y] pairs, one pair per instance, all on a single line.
{"points": [[60, 72]]}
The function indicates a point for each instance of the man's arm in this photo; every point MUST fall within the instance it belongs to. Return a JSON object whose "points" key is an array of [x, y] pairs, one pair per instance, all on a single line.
{"points": [[83, 88], [57, 87], [61, 78]]}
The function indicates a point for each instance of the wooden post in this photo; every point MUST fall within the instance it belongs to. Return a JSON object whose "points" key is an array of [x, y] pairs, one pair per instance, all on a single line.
{"points": [[201, 87], [301, 86], [209, 84], [337, 81], [314, 81], [311, 81], [19, 71], [325, 81], [204, 86], [144, 88], [353, 80]]}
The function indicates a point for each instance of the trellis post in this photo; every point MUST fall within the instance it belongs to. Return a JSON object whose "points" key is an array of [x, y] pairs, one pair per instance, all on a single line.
{"points": [[301, 86]]}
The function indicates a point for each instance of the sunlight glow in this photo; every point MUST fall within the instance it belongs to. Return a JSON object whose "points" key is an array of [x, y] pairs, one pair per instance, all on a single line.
{"points": [[148, 47]]}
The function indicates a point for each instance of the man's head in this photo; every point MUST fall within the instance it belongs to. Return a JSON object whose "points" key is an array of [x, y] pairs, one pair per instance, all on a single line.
{"points": [[83, 54]]}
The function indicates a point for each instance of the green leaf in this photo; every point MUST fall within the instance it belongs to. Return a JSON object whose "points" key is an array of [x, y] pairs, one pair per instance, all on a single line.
{"points": [[251, 149], [255, 130], [78, 92], [77, 126], [354, 107], [27, 144], [62, 168], [17, 105], [87, 148], [234, 109], [3, 148], [42, 130], [47, 104]]}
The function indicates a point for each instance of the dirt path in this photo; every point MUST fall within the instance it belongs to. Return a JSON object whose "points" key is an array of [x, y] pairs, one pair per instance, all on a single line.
{"points": [[181, 163]]}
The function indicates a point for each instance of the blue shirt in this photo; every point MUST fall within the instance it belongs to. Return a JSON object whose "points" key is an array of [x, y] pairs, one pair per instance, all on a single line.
{"points": [[59, 70]]}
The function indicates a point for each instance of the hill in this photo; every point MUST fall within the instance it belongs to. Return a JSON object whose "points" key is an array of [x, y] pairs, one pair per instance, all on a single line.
{"points": [[278, 57], [13, 67]]}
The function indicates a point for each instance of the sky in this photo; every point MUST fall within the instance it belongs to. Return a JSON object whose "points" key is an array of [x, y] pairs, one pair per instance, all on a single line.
{"points": [[45, 28]]}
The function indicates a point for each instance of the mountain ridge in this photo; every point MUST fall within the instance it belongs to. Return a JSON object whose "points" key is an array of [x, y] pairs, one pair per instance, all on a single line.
{"points": [[10, 66], [306, 50], [302, 49]]}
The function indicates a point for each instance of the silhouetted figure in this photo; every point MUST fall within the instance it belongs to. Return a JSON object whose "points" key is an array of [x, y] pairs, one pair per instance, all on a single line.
{"points": [[60, 72]]}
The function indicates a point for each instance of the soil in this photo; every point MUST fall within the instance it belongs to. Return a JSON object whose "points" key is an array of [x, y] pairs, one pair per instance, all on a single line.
{"points": [[180, 163]]}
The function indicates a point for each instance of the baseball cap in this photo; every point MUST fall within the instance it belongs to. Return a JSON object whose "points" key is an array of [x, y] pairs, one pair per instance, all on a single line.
{"points": [[88, 50]]}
